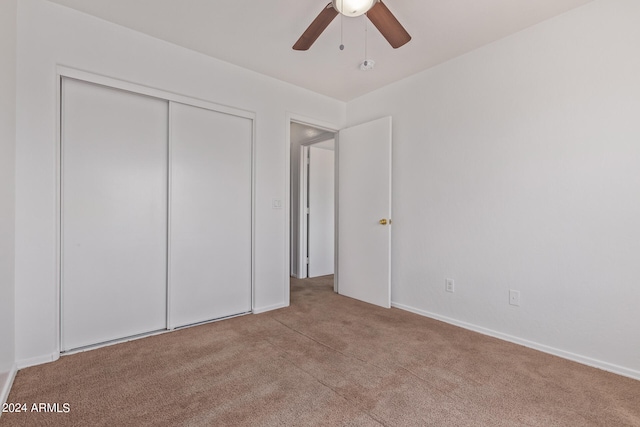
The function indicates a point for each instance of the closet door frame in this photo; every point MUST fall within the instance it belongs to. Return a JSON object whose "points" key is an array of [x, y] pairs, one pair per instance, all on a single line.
{"points": [[67, 72]]}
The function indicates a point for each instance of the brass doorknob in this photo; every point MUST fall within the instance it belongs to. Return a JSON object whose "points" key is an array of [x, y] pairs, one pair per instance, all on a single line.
{"points": [[383, 221]]}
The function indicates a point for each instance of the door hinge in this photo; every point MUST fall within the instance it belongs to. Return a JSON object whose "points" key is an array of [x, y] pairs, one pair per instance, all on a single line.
{"points": [[308, 210], [307, 260]]}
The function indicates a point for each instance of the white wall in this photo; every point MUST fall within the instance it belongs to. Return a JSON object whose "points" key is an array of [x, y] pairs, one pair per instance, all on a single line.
{"points": [[50, 35], [8, 32], [517, 166]]}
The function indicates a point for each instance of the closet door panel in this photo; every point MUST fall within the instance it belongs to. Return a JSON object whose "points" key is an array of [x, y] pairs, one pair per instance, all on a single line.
{"points": [[210, 215], [114, 214]]}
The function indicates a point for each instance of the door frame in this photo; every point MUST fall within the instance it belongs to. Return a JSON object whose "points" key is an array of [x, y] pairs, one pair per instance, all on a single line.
{"points": [[289, 255], [288, 238], [89, 77]]}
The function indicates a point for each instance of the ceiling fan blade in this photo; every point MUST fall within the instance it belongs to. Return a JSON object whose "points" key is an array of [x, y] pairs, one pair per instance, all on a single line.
{"points": [[316, 28], [388, 25]]}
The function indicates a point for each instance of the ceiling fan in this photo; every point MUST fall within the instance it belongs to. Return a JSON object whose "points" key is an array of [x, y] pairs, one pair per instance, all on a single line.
{"points": [[376, 11]]}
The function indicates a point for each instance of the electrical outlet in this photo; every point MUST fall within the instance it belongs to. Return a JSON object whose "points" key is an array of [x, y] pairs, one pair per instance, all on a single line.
{"points": [[514, 297], [449, 285]]}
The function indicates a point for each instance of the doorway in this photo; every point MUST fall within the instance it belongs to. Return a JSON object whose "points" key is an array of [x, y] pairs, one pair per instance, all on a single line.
{"points": [[312, 200], [362, 210]]}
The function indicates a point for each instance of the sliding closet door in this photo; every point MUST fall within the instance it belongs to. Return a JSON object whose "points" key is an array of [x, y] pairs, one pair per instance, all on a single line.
{"points": [[210, 215], [114, 214]]}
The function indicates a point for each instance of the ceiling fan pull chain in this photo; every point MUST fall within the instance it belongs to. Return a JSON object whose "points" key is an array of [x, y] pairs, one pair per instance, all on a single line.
{"points": [[366, 27], [341, 31], [367, 64]]}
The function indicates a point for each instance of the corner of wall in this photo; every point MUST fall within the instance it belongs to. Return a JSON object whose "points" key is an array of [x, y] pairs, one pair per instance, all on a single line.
{"points": [[6, 381], [39, 360], [8, 55]]}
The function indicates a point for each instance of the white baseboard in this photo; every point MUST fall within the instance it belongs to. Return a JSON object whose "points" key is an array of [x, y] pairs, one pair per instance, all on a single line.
{"points": [[609, 367], [6, 381], [259, 310], [39, 360]]}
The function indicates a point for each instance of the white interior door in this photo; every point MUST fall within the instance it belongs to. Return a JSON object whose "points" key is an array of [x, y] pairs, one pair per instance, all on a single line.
{"points": [[364, 199], [210, 215], [114, 214], [321, 211]]}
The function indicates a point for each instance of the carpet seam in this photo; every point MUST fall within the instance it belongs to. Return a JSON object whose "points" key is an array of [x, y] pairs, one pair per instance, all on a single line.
{"points": [[329, 347], [319, 381], [370, 415]]}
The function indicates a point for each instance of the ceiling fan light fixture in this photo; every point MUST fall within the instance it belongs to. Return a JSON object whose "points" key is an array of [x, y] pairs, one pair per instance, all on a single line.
{"points": [[353, 7]]}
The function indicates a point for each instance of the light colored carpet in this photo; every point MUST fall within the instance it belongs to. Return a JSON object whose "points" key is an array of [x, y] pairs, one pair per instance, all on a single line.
{"points": [[326, 360]]}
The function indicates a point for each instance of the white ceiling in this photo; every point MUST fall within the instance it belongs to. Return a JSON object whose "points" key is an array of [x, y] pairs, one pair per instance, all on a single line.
{"points": [[258, 34], [304, 134]]}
